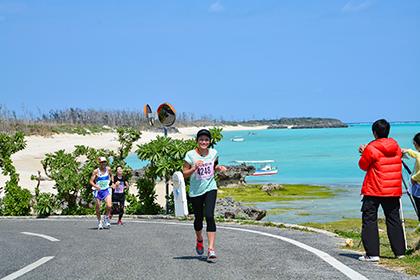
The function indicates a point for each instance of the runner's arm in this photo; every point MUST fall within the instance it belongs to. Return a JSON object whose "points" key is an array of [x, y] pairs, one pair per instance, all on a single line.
{"points": [[216, 162], [112, 178], [114, 184], [218, 167], [92, 180], [188, 170]]}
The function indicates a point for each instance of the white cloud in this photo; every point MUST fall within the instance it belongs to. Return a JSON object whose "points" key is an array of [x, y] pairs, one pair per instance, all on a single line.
{"points": [[216, 7], [356, 6]]}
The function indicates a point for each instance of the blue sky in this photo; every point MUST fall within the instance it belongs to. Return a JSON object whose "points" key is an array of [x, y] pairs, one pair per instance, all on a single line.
{"points": [[352, 60]]}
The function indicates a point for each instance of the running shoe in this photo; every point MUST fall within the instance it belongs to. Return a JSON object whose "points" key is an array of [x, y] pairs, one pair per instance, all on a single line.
{"points": [[106, 222], [199, 248], [120, 222], [211, 256], [100, 225], [369, 258]]}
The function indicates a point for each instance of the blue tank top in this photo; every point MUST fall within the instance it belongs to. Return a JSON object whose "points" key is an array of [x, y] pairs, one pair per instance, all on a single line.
{"points": [[103, 179]]}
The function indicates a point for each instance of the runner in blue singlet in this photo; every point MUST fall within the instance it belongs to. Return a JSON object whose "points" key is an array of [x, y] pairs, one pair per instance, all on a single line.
{"points": [[100, 182]]}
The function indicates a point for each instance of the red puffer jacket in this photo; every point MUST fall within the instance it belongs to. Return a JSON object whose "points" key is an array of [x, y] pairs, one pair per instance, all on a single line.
{"points": [[382, 161]]}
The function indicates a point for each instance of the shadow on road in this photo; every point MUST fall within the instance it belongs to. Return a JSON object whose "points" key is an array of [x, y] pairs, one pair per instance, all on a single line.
{"points": [[351, 255], [199, 258]]}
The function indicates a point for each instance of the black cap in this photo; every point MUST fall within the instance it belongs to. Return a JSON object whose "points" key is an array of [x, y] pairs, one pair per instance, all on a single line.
{"points": [[205, 132]]}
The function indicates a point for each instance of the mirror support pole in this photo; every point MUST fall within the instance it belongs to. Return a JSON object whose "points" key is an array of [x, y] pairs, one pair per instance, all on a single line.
{"points": [[165, 130]]}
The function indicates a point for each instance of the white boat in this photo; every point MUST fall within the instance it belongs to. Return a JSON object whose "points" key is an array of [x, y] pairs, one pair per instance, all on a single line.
{"points": [[237, 139], [262, 167]]}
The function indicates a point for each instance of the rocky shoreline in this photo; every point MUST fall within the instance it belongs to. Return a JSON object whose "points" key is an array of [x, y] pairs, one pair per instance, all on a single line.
{"points": [[301, 123], [229, 209]]}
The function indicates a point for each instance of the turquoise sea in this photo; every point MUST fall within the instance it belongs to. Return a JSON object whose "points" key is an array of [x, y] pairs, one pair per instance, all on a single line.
{"points": [[312, 156]]}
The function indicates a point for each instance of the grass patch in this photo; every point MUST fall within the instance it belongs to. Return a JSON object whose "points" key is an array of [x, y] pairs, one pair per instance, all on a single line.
{"points": [[278, 211], [303, 213], [351, 228], [78, 129], [48, 129], [288, 193]]}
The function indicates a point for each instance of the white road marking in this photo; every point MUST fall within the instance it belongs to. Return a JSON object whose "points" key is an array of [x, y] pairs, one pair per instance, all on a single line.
{"points": [[27, 268], [350, 273], [50, 238]]}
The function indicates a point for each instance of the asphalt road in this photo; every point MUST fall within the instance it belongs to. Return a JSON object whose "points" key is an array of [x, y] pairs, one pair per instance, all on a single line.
{"points": [[158, 249]]}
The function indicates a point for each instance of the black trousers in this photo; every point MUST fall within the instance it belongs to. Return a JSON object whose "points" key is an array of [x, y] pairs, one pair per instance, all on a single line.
{"points": [[370, 234], [120, 199], [204, 205], [417, 202]]}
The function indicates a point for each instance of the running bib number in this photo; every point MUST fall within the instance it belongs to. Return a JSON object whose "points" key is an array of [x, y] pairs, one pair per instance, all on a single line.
{"points": [[205, 171], [120, 187], [103, 184]]}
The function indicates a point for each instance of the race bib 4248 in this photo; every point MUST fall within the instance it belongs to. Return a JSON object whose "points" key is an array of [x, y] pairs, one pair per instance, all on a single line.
{"points": [[205, 171]]}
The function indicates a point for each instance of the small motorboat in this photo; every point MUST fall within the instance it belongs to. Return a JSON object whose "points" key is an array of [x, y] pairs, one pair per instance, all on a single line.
{"points": [[262, 167], [237, 139]]}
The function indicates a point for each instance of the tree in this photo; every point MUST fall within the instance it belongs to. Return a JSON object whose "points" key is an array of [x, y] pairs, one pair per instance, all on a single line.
{"points": [[126, 138], [71, 176], [17, 200], [8, 146], [166, 155], [72, 171]]}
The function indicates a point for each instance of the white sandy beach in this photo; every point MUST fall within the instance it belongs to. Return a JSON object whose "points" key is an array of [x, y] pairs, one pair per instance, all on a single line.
{"points": [[28, 161]]}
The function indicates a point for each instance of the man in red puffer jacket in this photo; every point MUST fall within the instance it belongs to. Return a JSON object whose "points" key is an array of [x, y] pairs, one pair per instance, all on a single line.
{"points": [[381, 159]]}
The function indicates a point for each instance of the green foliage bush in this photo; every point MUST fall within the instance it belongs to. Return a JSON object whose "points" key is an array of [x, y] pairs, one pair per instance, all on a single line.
{"points": [[46, 204], [133, 205], [166, 155], [17, 201], [8, 146], [147, 197], [72, 171]]}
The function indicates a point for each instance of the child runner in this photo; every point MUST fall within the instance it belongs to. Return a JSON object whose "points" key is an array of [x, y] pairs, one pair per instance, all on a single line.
{"points": [[415, 177], [200, 164], [100, 182], [118, 195]]}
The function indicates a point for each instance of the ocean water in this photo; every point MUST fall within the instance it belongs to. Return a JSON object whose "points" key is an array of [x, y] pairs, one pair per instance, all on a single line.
{"points": [[311, 156]]}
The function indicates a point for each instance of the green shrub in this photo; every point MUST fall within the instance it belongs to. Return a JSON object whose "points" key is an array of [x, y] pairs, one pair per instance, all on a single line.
{"points": [[72, 176], [45, 205], [147, 197], [77, 210], [17, 201], [133, 205]]}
